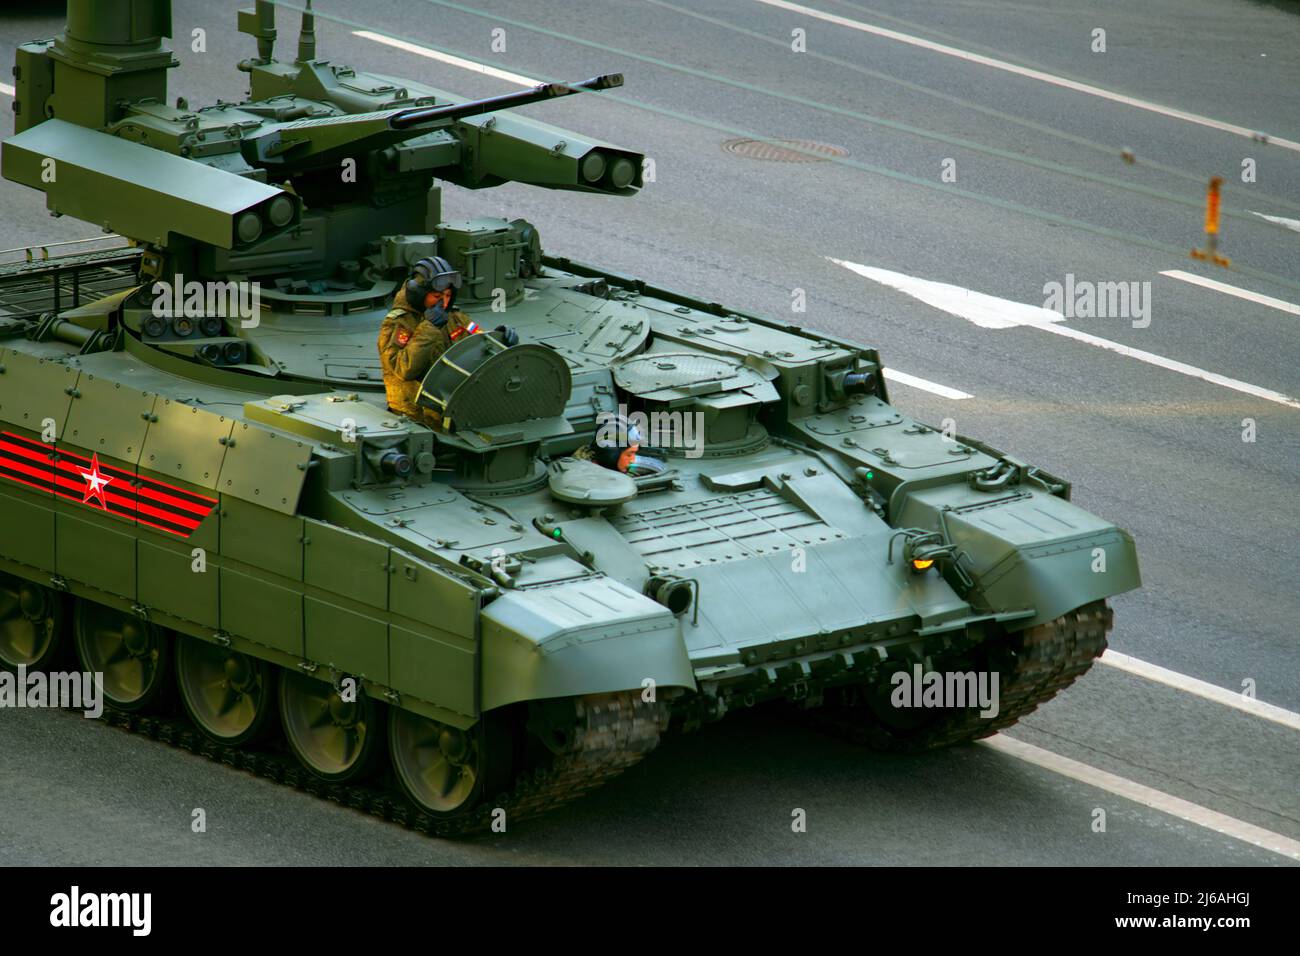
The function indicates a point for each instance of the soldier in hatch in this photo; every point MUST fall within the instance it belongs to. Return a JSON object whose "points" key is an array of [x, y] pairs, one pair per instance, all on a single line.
{"points": [[618, 446], [423, 324]]}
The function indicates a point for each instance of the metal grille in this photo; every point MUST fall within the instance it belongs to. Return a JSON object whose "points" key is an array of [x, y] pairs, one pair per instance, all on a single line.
{"points": [[726, 528]]}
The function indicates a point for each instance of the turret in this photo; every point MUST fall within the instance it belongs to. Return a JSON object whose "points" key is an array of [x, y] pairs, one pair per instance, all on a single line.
{"points": [[320, 161]]}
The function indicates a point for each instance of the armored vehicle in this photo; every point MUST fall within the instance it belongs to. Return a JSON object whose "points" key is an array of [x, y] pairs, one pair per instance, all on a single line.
{"points": [[205, 497]]}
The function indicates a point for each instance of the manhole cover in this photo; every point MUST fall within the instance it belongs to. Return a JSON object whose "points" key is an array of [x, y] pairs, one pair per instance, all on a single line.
{"points": [[784, 150]]}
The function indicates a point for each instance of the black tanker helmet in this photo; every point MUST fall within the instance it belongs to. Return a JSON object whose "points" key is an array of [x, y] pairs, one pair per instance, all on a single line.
{"points": [[618, 447], [431, 274]]}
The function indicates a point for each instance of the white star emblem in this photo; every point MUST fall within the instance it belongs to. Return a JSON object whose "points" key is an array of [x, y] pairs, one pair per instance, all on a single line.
{"points": [[95, 483]]}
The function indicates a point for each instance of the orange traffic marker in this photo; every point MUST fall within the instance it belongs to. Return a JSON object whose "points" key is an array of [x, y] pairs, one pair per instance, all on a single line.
{"points": [[1210, 252]]}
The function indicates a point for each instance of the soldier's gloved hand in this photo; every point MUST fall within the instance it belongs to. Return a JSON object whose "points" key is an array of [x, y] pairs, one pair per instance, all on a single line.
{"points": [[437, 315], [507, 335]]}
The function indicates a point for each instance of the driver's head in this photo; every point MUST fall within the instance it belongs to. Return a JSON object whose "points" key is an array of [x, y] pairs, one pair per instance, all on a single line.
{"points": [[618, 447], [433, 281]]}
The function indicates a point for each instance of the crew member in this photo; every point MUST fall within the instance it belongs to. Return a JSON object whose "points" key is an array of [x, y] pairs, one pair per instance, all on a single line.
{"points": [[423, 324], [618, 446]]}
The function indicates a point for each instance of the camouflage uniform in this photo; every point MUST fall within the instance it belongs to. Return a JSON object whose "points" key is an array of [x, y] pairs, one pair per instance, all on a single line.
{"points": [[408, 347]]}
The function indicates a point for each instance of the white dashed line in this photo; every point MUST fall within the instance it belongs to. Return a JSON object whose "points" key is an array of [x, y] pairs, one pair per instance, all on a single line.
{"points": [[1174, 366], [902, 378], [1191, 685], [1027, 72], [1279, 304], [991, 312], [6, 89], [1147, 796], [447, 58]]}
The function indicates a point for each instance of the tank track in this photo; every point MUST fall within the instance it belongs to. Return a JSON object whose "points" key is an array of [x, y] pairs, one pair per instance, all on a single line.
{"points": [[1043, 661], [612, 732]]}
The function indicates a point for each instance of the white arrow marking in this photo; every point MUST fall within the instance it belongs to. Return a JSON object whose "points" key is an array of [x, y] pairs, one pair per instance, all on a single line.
{"points": [[986, 311], [991, 312], [1268, 300]]}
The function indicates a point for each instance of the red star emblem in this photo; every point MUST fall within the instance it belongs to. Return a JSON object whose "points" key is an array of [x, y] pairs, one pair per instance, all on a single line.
{"points": [[95, 482]]}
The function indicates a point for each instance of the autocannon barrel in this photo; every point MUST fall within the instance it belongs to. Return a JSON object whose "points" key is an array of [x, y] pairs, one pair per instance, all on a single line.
{"points": [[418, 116]]}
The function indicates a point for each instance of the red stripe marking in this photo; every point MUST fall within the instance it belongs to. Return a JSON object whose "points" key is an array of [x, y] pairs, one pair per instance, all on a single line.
{"points": [[34, 472], [198, 509], [168, 530], [134, 496], [184, 521], [126, 514], [26, 452], [29, 441], [29, 484], [129, 503], [178, 489]]}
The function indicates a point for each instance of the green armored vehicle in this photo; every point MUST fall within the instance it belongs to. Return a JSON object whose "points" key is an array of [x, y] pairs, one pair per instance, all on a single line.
{"points": [[649, 512]]}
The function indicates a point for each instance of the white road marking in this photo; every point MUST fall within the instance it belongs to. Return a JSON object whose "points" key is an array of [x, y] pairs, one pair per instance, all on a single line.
{"points": [[1170, 364], [1280, 220], [1191, 685], [991, 312], [1027, 72], [986, 311], [448, 58], [6, 89], [1268, 300], [1147, 796], [894, 375]]}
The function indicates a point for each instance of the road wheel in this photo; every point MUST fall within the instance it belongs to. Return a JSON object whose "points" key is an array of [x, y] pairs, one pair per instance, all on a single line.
{"points": [[333, 738], [230, 696], [132, 654], [444, 770], [31, 624]]}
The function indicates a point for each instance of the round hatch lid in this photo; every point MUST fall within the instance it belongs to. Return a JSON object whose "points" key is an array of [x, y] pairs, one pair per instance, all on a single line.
{"points": [[479, 383], [665, 376], [579, 482]]}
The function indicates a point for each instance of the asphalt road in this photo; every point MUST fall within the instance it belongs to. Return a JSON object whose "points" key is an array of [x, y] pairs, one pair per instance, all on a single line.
{"points": [[1041, 191]]}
